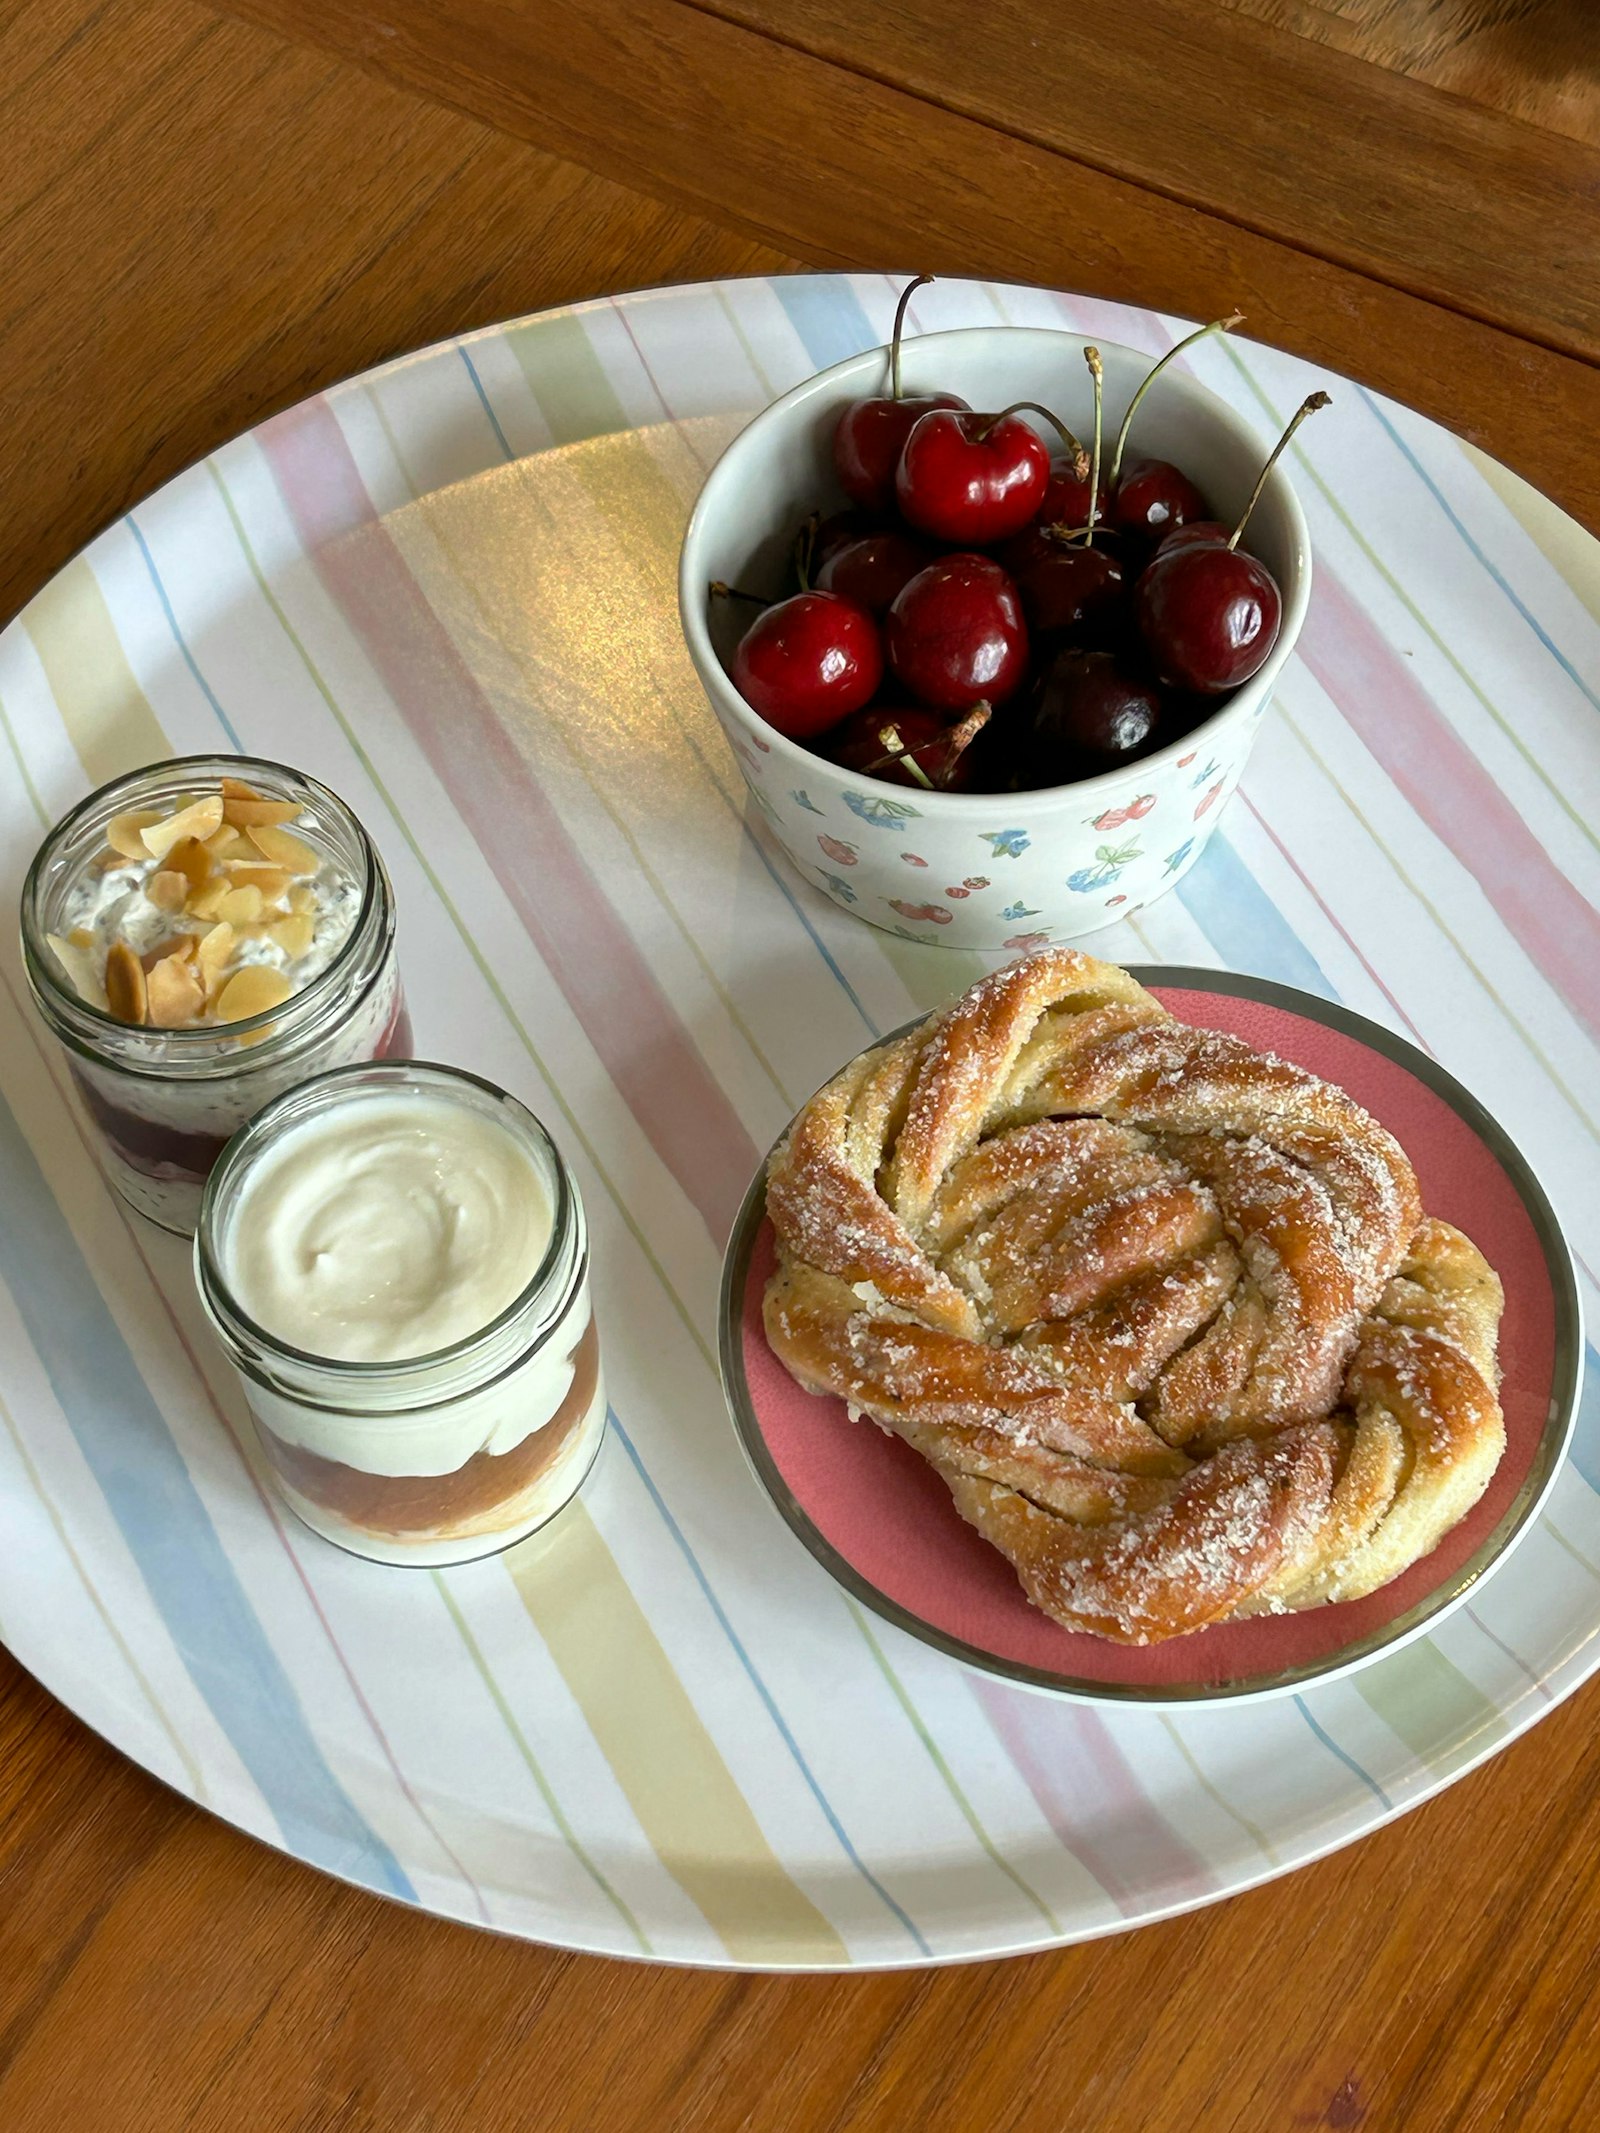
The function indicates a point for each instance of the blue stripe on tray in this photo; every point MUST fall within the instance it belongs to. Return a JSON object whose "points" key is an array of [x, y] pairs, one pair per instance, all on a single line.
{"points": [[828, 316], [179, 639], [1244, 925], [130, 1451]]}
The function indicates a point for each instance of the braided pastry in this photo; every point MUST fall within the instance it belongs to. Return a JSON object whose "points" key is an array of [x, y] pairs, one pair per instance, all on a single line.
{"points": [[1162, 1310]]}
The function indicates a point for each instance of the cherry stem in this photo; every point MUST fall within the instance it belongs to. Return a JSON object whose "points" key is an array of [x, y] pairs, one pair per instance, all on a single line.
{"points": [[896, 751], [1096, 371], [1308, 406], [1080, 458], [721, 591], [1217, 325], [961, 737], [805, 548], [900, 309]]}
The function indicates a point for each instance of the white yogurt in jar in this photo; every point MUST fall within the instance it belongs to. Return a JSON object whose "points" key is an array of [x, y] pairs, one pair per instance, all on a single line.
{"points": [[388, 1230], [397, 1260]]}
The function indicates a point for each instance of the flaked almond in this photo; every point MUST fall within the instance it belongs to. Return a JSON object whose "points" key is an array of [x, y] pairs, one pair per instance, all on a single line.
{"points": [[259, 874], [236, 789], [168, 889], [293, 935], [303, 900], [207, 902], [75, 960], [212, 958], [124, 832], [192, 859], [259, 814], [240, 906], [178, 945], [126, 996], [198, 819], [110, 859], [284, 849], [175, 992], [229, 843], [252, 991]]}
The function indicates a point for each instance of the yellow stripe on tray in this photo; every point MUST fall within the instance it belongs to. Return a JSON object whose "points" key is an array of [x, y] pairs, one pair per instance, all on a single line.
{"points": [[677, 1784], [107, 715]]}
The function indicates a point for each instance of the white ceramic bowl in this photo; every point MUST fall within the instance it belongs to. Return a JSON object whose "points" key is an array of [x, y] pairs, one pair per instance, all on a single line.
{"points": [[983, 870]]}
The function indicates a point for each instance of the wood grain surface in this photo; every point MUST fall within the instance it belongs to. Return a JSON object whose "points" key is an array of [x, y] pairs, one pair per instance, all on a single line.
{"points": [[202, 218]]}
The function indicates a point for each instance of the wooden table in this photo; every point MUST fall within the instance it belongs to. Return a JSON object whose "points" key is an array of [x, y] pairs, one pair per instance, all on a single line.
{"points": [[208, 214]]}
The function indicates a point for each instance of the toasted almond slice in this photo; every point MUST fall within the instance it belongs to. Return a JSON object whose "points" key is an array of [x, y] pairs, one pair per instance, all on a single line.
{"points": [[177, 945], [230, 843], [207, 902], [236, 789], [240, 906], [124, 832], [294, 935], [259, 814], [81, 937], [260, 874], [109, 860], [176, 994], [284, 849], [198, 819], [252, 991], [214, 948], [303, 900], [192, 859], [167, 889], [126, 996], [74, 958]]}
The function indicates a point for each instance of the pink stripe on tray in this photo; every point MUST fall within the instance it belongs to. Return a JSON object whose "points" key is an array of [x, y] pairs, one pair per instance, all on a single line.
{"points": [[1092, 1799], [585, 946]]}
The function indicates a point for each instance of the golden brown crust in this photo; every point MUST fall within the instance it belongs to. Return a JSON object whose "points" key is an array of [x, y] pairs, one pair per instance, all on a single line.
{"points": [[1162, 1310]]}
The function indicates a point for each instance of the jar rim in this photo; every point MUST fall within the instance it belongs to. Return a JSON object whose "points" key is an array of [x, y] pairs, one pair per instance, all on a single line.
{"points": [[322, 1092], [52, 983]]}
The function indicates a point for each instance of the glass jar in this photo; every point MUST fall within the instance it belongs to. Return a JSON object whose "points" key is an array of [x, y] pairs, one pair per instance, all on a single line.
{"points": [[436, 1458], [167, 1101]]}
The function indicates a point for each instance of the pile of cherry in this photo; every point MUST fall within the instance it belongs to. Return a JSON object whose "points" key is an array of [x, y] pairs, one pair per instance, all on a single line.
{"points": [[988, 617]]}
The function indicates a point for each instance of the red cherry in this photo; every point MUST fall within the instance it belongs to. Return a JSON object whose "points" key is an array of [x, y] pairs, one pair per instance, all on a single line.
{"points": [[836, 532], [972, 478], [871, 434], [872, 570], [956, 634], [809, 662], [1066, 587], [1092, 713], [876, 742], [1200, 533], [1155, 497], [1209, 616], [870, 439]]}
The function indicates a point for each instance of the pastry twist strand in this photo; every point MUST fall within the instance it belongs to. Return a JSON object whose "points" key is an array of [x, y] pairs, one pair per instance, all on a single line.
{"points": [[1162, 1310]]}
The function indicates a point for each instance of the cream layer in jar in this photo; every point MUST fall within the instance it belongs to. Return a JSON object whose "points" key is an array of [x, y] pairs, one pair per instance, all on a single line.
{"points": [[396, 1259]]}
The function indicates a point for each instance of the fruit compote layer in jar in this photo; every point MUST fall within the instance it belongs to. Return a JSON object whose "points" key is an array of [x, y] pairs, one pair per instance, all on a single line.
{"points": [[199, 927], [412, 1244]]}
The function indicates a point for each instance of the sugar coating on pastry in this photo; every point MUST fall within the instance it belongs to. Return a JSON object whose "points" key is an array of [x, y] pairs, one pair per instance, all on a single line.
{"points": [[1163, 1311]]}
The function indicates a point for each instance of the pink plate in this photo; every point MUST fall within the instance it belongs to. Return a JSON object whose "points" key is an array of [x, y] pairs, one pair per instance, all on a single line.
{"points": [[878, 1517]]}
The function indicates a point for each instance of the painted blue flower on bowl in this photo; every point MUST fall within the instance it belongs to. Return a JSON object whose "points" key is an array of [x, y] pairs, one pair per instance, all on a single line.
{"points": [[802, 798], [880, 812], [1110, 859], [1176, 859], [836, 885], [1006, 844], [1020, 910]]}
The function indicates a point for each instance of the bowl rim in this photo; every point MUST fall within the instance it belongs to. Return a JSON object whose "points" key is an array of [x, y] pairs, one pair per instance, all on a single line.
{"points": [[1246, 701], [1428, 1613]]}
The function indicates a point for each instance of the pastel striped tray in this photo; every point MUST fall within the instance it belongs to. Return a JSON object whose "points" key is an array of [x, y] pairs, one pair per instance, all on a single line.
{"points": [[660, 1730]]}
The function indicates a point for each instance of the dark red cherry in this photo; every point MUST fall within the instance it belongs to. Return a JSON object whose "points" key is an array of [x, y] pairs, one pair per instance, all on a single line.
{"points": [[971, 479], [1199, 533], [1209, 616], [837, 531], [808, 662], [1091, 713], [1155, 497], [875, 743], [872, 570], [956, 634], [870, 439], [1066, 495], [1066, 587]]}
